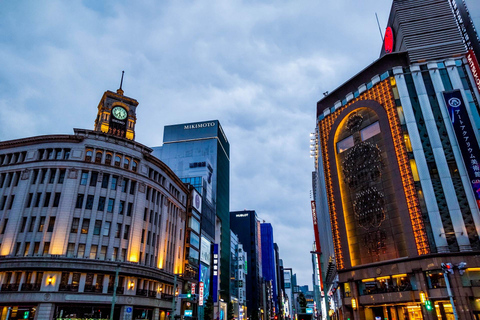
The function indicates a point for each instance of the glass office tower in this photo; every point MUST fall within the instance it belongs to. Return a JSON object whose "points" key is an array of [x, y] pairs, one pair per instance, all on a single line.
{"points": [[199, 153]]}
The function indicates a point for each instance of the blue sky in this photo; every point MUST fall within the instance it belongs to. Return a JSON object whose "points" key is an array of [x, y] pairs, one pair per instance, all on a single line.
{"points": [[259, 67]]}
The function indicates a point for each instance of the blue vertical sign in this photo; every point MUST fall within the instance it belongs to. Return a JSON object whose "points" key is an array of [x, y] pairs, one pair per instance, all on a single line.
{"points": [[215, 273], [466, 138]]}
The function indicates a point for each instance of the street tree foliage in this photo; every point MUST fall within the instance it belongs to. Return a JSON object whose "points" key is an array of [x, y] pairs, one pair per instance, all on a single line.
{"points": [[302, 302], [208, 309]]}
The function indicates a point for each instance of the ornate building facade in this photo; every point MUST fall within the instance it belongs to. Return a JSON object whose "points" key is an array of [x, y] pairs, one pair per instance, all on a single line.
{"points": [[91, 224], [397, 170]]}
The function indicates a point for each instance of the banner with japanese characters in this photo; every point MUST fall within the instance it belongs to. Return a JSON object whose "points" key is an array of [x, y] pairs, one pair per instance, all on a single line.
{"points": [[466, 138]]}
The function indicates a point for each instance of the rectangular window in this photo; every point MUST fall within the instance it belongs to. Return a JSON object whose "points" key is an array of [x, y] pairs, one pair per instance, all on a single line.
{"points": [[148, 237], [345, 144], [58, 154], [71, 250], [18, 246], [106, 228], [114, 255], [81, 251], [24, 224], [46, 202], [111, 204], [124, 255], [37, 199], [105, 179], [35, 176], [56, 200], [124, 185], [89, 204], [101, 204], [43, 173], [370, 131], [9, 179], [5, 222], [126, 232], [129, 209], [51, 224], [102, 255], [113, 185], [145, 212], [75, 223], [118, 230], [4, 202], [93, 179], [36, 248], [97, 227], [132, 187], [79, 203], [84, 179], [93, 251], [53, 172], [32, 224], [46, 248], [27, 249], [17, 177], [85, 225], [121, 207], [61, 176], [41, 224], [10, 204]]}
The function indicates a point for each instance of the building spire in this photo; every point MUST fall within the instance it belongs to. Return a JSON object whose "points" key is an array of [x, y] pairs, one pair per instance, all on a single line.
{"points": [[120, 91]]}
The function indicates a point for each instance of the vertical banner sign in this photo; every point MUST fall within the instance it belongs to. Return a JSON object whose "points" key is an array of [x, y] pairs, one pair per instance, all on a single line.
{"points": [[466, 138], [193, 287], [473, 63], [317, 243], [215, 273], [200, 294]]}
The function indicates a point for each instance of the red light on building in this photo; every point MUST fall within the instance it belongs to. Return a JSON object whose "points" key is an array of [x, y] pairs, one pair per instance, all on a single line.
{"points": [[388, 40]]}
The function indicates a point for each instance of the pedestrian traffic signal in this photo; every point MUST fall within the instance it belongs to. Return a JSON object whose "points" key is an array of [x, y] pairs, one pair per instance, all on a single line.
{"points": [[428, 305], [26, 314]]}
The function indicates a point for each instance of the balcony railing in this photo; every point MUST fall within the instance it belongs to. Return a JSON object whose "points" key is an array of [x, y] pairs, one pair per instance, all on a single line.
{"points": [[30, 287], [403, 288], [9, 287], [93, 288], [68, 287]]}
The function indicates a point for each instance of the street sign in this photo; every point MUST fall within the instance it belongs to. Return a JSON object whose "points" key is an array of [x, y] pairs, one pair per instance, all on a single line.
{"points": [[188, 313]]}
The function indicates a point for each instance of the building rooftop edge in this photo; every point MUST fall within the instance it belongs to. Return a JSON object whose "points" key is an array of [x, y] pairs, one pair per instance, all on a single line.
{"points": [[363, 77]]}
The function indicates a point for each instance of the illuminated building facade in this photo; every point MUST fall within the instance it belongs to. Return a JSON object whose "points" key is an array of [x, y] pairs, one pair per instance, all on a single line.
{"points": [[87, 219], [397, 174]]}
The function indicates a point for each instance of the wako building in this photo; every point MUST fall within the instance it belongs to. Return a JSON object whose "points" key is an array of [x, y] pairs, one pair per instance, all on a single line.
{"points": [[89, 222], [399, 174]]}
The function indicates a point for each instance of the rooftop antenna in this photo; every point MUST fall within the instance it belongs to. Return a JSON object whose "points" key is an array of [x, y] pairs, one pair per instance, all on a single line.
{"points": [[379, 29], [120, 91]]}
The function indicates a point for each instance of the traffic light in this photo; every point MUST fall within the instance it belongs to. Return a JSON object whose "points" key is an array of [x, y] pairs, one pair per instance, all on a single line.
{"points": [[447, 267], [26, 314], [428, 305], [189, 295]]}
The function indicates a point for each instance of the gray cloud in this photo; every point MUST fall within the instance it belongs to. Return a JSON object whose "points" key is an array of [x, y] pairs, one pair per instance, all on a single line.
{"points": [[257, 66]]}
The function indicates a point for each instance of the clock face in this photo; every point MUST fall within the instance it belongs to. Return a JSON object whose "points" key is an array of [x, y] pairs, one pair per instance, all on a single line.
{"points": [[119, 113]]}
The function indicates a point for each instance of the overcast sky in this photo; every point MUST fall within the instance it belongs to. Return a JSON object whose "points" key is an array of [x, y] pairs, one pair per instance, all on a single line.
{"points": [[259, 67]]}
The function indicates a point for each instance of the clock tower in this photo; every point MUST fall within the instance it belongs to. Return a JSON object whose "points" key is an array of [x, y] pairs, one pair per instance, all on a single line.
{"points": [[117, 115]]}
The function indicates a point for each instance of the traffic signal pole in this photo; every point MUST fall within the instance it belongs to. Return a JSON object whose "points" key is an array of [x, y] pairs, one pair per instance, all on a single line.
{"points": [[450, 295]]}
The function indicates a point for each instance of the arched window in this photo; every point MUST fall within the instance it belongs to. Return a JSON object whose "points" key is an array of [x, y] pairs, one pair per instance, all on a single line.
{"points": [[108, 158], [88, 155], [98, 157], [126, 163], [117, 161]]}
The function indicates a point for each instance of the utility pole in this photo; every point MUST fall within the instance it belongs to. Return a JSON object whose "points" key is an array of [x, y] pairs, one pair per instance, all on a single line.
{"points": [[114, 297], [172, 316], [448, 268]]}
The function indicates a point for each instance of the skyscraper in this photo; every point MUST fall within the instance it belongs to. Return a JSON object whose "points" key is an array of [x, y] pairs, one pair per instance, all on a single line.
{"points": [[269, 262], [397, 173], [247, 226], [199, 153]]}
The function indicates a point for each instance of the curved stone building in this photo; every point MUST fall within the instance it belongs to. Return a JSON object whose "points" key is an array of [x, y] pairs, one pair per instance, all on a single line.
{"points": [[89, 222]]}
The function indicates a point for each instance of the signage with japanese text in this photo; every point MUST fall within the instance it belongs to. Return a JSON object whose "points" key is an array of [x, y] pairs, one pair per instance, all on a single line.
{"points": [[466, 138], [200, 294]]}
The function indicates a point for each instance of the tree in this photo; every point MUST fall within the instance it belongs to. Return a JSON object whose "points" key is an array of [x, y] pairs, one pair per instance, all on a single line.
{"points": [[302, 302], [230, 312], [208, 309]]}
